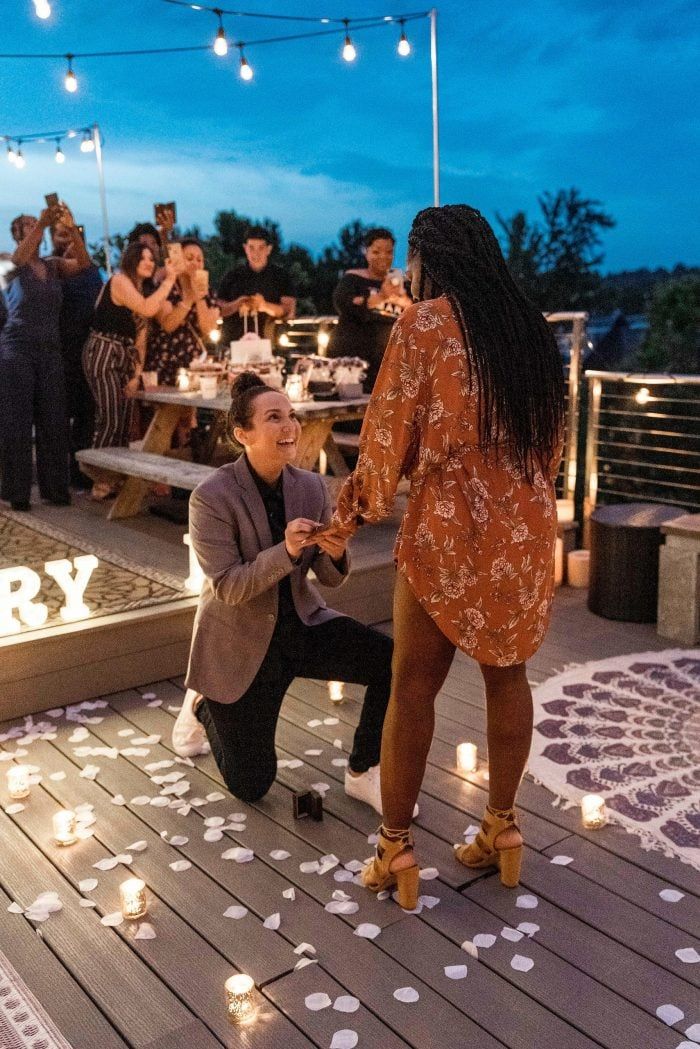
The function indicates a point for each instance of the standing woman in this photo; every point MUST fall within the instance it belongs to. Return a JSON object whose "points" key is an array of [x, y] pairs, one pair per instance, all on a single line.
{"points": [[32, 384], [469, 406], [184, 320], [368, 301], [115, 351]]}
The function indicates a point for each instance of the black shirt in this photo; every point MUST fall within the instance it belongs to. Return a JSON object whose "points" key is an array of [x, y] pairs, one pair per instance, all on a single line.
{"points": [[360, 331], [272, 282], [110, 319], [272, 496]]}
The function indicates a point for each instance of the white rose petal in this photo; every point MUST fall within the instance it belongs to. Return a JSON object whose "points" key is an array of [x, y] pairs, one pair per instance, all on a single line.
{"points": [[345, 1039], [693, 1032], [469, 947], [118, 799], [313, 753], [180, 865], [671, 895], [145, 931], [289, 894], [213, 834], [140, 799], [316, 1002], [526, 903], [455, 972], [216, 795], [57, 776], [14, 808], [280, 854], [115, 918], [273, 921], [484, 939], [562, 861], [308, 947], [15, 908], [367, 931], [342, 907], [406, 994], [511, 934], [429, 873], [670, 1014], [239, 854], [87, 903], [303, 962], [107, 864], [138, 846], [346, 1003], [520, 963], [688, 955], [87, 884], [529, 928], [235, 911]]}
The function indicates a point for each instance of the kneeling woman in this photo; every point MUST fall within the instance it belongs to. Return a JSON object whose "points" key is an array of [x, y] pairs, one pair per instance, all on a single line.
{"points": [[260, 622]]}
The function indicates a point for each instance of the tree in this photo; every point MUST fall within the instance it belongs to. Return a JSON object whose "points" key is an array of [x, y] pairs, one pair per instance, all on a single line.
{"points": [[673, 342], [334, 260], [523, 251]]}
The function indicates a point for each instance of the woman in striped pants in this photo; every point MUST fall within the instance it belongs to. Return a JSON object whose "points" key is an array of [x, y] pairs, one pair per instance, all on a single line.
{"points": [[115, 351]]}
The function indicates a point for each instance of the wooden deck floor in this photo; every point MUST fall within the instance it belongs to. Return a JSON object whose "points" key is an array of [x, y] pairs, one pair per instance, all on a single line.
{"points": [[604, 951]]}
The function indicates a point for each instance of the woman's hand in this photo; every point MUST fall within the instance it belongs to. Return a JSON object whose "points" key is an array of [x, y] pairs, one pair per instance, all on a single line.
{"points": [[50, 216], [172, 269], [295, 534], [132, 386], [332, 544]]}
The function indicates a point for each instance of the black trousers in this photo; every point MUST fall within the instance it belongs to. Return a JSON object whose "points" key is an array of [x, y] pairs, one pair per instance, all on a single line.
{"points": [[242, 734]]}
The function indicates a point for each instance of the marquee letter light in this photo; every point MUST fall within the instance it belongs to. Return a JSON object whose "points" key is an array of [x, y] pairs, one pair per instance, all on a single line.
{"points": [[73, 587], [31, 612], [195, 579]]}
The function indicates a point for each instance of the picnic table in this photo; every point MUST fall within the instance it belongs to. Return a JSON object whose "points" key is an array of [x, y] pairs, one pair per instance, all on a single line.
{"points": [[153, 461]]}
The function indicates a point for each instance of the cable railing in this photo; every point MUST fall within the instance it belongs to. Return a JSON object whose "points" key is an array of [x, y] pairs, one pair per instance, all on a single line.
{"points": [[642, 440]]}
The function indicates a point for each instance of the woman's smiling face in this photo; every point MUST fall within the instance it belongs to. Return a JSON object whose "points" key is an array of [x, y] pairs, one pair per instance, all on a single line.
{"points": [[272, 438]]}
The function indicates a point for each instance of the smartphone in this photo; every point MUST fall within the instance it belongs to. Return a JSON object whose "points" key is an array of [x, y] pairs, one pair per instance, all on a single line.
{"points": [[167, 212], [175, 252], [51, 200], [201, 281]]}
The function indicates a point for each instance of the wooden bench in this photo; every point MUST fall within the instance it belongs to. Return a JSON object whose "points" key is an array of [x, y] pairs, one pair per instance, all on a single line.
{"points": [[146, 467], [679, 580]]}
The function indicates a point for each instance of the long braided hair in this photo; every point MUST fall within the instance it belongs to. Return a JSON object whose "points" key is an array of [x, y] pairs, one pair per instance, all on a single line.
{"points": [[514, 361]]}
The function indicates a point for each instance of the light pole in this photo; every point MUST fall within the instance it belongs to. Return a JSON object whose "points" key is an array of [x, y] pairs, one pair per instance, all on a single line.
{"points": [[96, 138], [436, 116]]}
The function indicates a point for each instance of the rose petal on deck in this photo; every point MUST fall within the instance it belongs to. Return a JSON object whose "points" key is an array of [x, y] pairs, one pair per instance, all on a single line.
{"points": [[484, 939], [308, 947], [14, 808], [344, 1039], [273, 921], [57, 776], [562, 861], [455, 972], [670, 1014], [342, 907], [280, 854], [521, 964], [137, 846], [87, 884], [235, 911], [141, 799], [239, 854], [214, 821], [406, 994], [313, 753], [526, 903], [115, 918], [180, 865], [213, 834], [118, 799], [289, 894], [671, 895], [107, 864], [529, 928], [145, 931], [316, 1002], [367, 931], [428, 873], [688, 955], [693, 1032], [346, 1003]]}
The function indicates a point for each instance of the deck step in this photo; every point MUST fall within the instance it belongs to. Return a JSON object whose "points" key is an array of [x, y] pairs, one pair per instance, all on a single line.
{"points": [[158, 469]]}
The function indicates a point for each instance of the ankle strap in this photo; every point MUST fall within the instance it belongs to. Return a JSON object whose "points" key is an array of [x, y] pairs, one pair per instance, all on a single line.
{"points": [[505, 815], [401, 835]]}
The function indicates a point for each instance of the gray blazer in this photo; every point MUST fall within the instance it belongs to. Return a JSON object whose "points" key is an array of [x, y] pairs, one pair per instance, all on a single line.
{"points": [[237, 609]]}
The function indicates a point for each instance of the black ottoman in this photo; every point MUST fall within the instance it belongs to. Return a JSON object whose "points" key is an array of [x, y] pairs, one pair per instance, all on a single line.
{"points": [[624, 573]]}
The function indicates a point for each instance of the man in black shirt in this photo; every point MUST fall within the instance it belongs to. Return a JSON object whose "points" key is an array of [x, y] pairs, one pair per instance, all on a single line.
{"points": [[257, 286]]}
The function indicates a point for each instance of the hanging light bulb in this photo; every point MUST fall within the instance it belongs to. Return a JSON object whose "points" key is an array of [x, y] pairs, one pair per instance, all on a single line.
{"points": [[42, 8], [87, 145], [246, 71], [220, 43], [403, 47], [11, 155], [349, 51], [20, 162], [71, 81], [60, 155]]}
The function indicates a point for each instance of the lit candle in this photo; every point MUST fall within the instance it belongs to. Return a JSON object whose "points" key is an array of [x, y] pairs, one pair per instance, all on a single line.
{"points": [[132, 895], [466, 757], [64, 827], [295, 387], [183, 379], [239, 997], [565, 509], [336, 691], [578, 566], [18, 781], [558, 562], [593, 811]]}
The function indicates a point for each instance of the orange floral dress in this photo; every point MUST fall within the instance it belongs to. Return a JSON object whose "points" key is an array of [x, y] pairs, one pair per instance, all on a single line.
{"points": [[476, 542]]}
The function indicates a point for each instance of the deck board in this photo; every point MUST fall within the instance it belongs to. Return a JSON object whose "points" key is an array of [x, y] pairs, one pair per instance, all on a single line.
{"points": [[604, 954]]}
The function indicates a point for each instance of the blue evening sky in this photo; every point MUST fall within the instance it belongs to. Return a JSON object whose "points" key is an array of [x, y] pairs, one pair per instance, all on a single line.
{"points": [[541, 95]]}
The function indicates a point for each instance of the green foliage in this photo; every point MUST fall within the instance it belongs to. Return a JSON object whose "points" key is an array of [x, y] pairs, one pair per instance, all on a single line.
{"points": [[673, 342]]}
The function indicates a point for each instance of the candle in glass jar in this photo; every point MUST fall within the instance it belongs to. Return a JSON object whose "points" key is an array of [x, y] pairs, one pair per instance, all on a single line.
{"points": [[132, 896], [336, 691], [64, 827], [183, 379], [295, 387], [466, 757], [18, 781], [239, 997], [593, 811]]}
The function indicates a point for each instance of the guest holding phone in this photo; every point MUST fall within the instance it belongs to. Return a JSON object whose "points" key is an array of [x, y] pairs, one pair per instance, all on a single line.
{"points": [[115, 351], [260, 621], [32, 382]]}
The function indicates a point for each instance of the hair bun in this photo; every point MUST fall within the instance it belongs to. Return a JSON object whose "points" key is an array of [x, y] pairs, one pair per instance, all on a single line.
{"points": [[245, 381]]}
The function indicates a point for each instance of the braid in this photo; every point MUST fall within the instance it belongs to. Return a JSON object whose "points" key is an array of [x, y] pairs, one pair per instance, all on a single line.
{"points": [[514, 361]]}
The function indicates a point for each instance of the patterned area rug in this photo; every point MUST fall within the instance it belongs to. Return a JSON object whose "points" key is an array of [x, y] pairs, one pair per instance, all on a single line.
{"points": [[23, 1022], [116, 585], [627, 728]]}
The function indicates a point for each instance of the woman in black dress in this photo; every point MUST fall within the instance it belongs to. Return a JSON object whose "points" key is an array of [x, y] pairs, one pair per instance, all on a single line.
{"points": [[368, 302]]}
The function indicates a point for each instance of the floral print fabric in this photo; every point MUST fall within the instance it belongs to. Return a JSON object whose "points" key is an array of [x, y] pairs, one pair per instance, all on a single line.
{"points": [[476, 543], [167, 352]]}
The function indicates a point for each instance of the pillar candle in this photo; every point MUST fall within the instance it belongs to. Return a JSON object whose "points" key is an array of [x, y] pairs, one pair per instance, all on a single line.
{"points": [[239, 997], [467, 757], [64, 827], [593, 811], [578, 568], [132, 896], [18, 781]]}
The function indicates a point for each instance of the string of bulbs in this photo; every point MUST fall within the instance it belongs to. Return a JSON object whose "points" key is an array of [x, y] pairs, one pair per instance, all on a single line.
{"points": [[221, 44], [14, 144]]}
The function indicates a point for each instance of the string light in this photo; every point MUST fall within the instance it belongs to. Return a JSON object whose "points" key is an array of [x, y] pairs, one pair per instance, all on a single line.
{"points": [[246, 70], [42, 9], [60, 155], [20, 162], [221, 43], [71, 81], [403, 47], [87, 145], [11, 155], [349, 50]]}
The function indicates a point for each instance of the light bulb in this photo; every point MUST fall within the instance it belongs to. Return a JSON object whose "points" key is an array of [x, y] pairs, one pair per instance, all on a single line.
{"points": [[221, 43], [60, 156], [87, 145], [42, 9], [11, 155], [20, 162], [71, 82], [349, 52], [246, 71], [642, 395], [403, 48]]}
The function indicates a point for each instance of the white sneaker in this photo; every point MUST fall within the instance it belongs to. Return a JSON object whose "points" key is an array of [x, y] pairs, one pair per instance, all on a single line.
{"points": [[189, 737], [366, 788]]}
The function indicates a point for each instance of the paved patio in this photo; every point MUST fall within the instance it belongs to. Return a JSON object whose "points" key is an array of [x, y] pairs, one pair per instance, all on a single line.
{"points": [[603, 952]]}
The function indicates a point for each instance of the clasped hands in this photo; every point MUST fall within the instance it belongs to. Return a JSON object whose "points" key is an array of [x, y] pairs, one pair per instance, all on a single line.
{"points": [[303, 532]]}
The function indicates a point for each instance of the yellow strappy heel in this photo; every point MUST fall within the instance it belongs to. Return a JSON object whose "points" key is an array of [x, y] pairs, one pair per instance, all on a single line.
{"points": [[377, 875], [483, 852]]}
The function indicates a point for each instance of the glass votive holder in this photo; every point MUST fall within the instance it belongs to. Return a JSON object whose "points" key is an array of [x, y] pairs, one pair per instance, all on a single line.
{"points": [[18, 782], [240, 1004], [295, 388], [593, 813], [183, 379], [132, 896], [467, 757], [336, 691], [65, 827]]}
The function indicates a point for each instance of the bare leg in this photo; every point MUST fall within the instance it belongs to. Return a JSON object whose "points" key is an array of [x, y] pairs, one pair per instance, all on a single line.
{"points": [[509, 732], [422, 658]]}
